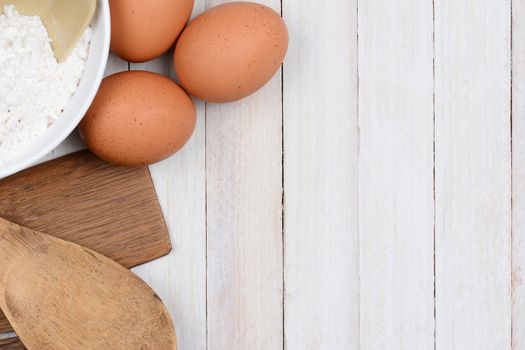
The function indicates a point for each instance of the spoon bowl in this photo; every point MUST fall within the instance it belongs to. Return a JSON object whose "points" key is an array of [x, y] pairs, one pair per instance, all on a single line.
{"points": [[89, 301]]}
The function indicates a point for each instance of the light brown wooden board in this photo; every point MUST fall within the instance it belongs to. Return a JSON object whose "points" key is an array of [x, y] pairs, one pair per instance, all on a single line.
{"points": [[11, 344], [80, 198]]}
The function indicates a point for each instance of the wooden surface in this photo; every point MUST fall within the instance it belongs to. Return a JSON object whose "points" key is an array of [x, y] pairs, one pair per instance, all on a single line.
{"points": [[79, 198], [45, 275], [244, 221], [370, 197], [473, 174], [396, 201], [518, 174], [321, 255]]}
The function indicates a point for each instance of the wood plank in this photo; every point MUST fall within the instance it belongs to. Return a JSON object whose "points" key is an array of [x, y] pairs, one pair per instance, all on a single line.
{"points": [[320, 176], [518, 174], [473, 174], [396, 200], [180, 181], [244, 192]]}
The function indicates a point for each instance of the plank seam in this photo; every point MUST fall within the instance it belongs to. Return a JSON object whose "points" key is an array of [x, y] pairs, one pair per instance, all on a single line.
{"points": [[206, 6], [434, 157], [358, 178], [511, 71], [283, 212], [206, 212]]}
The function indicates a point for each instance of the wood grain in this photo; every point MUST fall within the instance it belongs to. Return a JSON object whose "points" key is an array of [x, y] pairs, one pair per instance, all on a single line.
{"points": [[96, 303], [518, 174], [244, 207], [83, 199], [320, 176], [180, 278], [396, 174], [473, 174]]}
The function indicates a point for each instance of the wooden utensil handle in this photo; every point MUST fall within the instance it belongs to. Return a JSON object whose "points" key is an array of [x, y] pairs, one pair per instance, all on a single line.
{"points": [[11, 344], [5, 327]]}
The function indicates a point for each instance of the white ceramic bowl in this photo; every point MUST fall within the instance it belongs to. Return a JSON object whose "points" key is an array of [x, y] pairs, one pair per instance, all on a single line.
{"points": [[79, 103]]}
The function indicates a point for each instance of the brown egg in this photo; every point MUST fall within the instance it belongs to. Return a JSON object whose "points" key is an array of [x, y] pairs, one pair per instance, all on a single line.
{"points": [[231, 51], [144, 29], [138, 118]]}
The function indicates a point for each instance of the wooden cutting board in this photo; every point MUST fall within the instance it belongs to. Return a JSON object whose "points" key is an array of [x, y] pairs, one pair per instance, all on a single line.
{"points": [[80, 198]]}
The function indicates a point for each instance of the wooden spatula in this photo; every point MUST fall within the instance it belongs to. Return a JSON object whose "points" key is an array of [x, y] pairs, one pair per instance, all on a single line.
{"points": [[80, 198], [65, 20], [90, 301]]}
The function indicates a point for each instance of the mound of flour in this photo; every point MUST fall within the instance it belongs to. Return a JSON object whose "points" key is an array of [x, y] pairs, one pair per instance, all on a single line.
{"points": [[34, 88]]}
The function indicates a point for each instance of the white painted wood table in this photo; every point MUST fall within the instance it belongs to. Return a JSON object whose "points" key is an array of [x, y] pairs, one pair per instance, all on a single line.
{"points": [[372, 196]]}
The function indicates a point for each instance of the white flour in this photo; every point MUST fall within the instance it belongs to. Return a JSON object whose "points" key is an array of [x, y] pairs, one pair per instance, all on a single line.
{"points": [[34, 88]]}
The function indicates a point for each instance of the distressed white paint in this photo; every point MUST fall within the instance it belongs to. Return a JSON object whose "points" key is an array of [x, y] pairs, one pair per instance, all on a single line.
{"points": [[320, 168], [244, 191], [357, 257], [473, 179], [396, 200]]}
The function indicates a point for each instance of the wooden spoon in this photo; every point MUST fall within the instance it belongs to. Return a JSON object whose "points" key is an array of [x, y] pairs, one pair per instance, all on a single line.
{"points": [[65, 20], [58, 295]]}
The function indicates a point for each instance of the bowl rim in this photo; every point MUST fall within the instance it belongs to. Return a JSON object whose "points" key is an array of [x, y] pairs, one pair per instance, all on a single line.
{"points": [[73, 122]]}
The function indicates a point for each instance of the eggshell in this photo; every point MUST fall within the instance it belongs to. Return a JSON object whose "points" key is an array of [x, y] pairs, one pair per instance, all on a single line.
{"points": [[138, 118], [231, 51], [144, 29]]}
